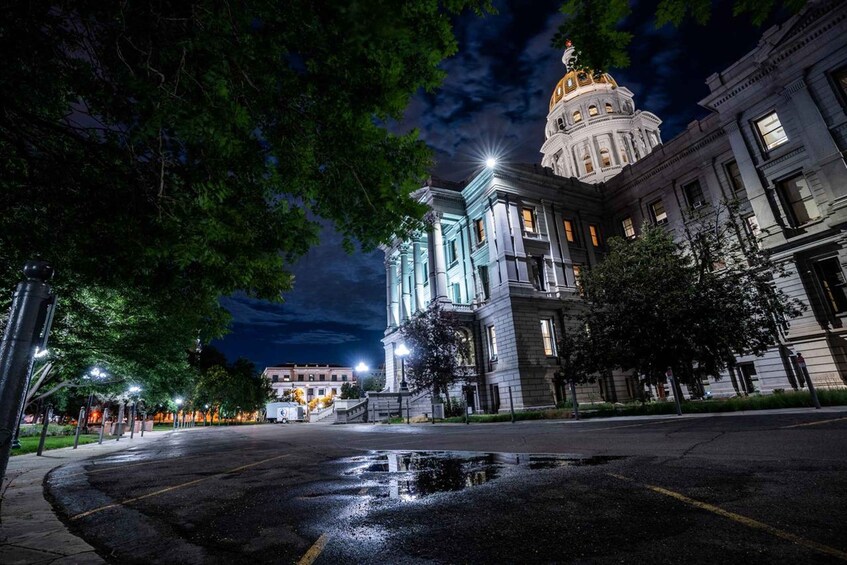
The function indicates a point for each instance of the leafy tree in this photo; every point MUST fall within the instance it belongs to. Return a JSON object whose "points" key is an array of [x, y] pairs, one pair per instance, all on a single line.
{"points": [[578, 362], [440, 353], [594, 25], [349, 391], [161, 155], [653, 304]]}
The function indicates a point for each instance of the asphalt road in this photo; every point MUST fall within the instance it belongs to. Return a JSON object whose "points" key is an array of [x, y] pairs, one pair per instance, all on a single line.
{"points": [[724, 489]]}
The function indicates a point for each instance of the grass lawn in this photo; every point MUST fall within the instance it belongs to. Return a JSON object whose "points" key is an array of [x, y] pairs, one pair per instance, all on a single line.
{"points": [[30, 444]]}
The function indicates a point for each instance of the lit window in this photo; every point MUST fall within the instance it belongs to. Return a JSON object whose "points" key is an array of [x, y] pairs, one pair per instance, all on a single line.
{"points": [[831, 278], [694, 194], [799, 201], [480, 230], [624, 156], [577, 117], [660, 216], [592, 110], [734, 174], [609, 109], [286, 378], [589, 166], [570, 234], [595, 235], [771, 131], [577, 277], [628, 227], [492, 343], [528, 215], [547, 338], [605, 158], [311, 377]]}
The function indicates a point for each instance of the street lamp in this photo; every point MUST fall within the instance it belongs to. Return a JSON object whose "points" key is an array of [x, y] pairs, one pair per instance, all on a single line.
{"points": [[178, 403], [402, 351], [491, 162]]}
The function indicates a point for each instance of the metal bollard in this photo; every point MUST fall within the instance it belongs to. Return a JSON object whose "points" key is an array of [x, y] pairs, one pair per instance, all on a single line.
{"points": [[79, 426], [103, 424]]}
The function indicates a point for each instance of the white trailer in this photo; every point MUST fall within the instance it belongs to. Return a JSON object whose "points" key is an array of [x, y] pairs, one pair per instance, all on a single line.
{"points": [[284, 412]]}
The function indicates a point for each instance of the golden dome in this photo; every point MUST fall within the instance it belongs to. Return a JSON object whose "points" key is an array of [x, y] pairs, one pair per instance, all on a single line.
{"points": [[576, 79]]}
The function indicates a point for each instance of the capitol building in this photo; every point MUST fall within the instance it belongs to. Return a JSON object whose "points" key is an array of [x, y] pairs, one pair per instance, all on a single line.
{"points": [[504, 248]]}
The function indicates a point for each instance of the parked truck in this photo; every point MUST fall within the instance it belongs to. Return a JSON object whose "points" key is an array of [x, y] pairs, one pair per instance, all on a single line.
{"points": [[284, 412]]}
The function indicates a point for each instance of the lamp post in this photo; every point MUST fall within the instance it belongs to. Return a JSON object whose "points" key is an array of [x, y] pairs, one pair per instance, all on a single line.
{"points": [[178, 403], [402, 351]]}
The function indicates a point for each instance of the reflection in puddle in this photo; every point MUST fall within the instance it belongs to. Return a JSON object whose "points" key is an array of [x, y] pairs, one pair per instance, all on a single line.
{"points": [[412, 475]]}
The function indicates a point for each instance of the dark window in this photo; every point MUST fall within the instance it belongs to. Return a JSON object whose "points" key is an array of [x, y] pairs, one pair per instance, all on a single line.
{"points": [[831, 278], [839, 78], [734, 175], [275, 378], [343, 377], [694, 194], [798, 200], [301, 377], [536, 272], [322, 377], [334, 377], [310, 392], [483, 281], [452, 252]]}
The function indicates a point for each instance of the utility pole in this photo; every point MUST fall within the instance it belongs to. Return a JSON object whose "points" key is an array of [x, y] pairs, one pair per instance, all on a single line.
{"points": [[27, 329]]}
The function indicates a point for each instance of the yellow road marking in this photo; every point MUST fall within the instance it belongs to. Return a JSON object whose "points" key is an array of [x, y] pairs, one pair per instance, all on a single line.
{"points": [[749, 522], [314, 551], [119, 467], [170, 488], [815, 423]]}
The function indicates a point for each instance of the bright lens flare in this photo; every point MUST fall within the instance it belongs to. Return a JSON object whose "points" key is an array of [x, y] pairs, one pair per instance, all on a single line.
{"points": [[490, 162]]}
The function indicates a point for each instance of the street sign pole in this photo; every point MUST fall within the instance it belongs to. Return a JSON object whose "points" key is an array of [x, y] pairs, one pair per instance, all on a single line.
{"points": [[676, 390], [802, 364]]}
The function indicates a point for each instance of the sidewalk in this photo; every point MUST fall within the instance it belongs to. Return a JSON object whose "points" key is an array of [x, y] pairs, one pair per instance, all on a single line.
{"points": [[30, 532]]}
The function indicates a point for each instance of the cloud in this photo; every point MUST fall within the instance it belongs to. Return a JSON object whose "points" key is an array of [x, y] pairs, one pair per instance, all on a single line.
{"points": [[317, 337]]}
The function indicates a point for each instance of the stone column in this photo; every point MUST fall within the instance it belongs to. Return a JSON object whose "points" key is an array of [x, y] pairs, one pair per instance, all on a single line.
{"points": [[818, 141], [436, 253], [417, 268], [753, 185], [390, 322], [406, 303], [505, 249], [394, 290]]}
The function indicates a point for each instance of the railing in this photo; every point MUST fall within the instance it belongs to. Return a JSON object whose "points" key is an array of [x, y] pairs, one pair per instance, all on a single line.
{"points": [[357, 413], [318, 415]]}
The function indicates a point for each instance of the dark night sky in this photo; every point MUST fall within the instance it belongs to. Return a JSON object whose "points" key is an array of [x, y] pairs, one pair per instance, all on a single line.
{"points": [[494, 99]]}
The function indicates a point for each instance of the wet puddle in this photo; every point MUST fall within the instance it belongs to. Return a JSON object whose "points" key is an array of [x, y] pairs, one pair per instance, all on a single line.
{"points": [[410, 475]]}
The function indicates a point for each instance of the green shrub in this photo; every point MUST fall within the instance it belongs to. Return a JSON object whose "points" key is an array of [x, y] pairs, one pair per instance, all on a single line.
{"points": [[30, 430]]}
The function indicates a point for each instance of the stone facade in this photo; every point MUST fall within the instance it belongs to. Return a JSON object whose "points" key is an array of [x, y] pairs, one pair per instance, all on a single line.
{"points": [[503, 247], [311, 378]]}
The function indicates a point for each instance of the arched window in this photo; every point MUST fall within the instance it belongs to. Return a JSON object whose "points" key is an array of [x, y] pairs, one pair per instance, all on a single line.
{"points": [[589, 166], [592, 110], [561, 123], [577, 117], [624, 156], [609, 109], [605, 158]]}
